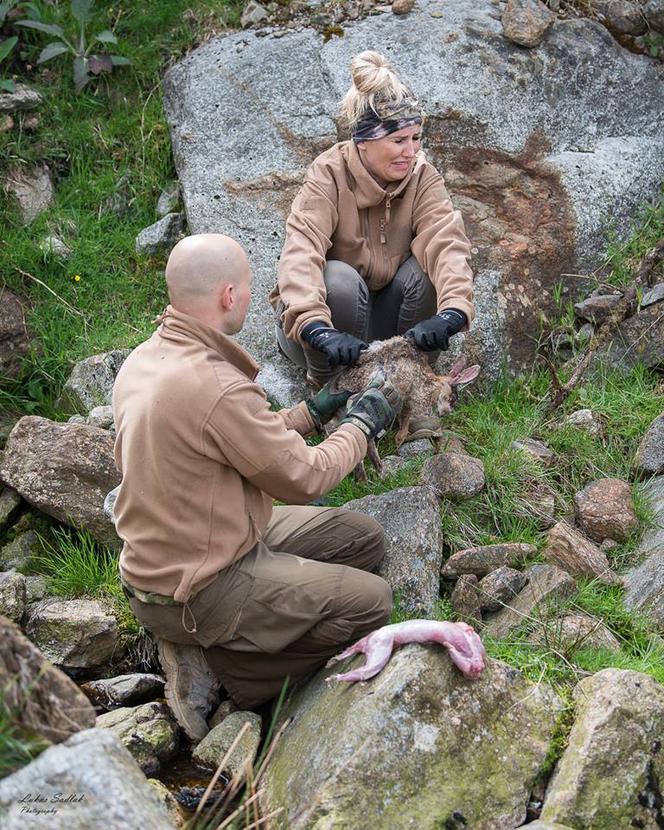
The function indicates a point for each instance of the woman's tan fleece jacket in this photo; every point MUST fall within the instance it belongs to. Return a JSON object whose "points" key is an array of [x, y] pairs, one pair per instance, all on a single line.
{"points": [[342, 213], [202, 455]]}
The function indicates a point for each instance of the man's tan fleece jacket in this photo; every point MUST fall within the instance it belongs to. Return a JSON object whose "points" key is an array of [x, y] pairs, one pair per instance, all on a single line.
{"points": [[202, 455], [342, 213]]}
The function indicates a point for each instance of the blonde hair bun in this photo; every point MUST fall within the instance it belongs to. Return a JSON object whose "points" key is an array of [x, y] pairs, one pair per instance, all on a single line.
{"points": [[374, 80]]}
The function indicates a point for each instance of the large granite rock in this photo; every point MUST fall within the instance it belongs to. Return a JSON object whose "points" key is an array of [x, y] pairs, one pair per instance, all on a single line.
{"points": [[14, 343], [43, 700], [410, 517], [91, 381], [106, 786], [611, 773], [367, 755], [65, 470], [542, 149], [74, 633], [644, 584]]}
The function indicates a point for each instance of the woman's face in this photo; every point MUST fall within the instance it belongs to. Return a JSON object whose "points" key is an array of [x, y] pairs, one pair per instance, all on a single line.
{"points": [[389, 159]]}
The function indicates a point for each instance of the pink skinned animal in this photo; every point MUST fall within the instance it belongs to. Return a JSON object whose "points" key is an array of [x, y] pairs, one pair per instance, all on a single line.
{"points": [[463, 644]]}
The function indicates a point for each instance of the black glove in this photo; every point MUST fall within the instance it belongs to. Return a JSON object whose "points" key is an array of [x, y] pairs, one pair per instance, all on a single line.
{"points": [[435, 332], [341, 349], [325, 403], [375, 408]]}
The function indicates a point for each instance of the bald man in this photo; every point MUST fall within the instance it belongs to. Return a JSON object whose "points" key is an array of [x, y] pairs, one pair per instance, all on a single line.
{"points": [[234, 589]]}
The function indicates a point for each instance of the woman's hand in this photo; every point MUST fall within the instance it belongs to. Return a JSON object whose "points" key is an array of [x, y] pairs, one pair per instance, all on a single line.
{"points": [[340, 348], [435, 332]]}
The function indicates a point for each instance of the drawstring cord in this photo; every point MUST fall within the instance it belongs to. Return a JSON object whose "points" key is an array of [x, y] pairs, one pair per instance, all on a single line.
{"points": [[186, 608]]}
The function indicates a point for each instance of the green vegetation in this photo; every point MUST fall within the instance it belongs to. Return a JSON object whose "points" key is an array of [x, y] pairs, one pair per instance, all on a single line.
{"points": [[109, 154], [78, 566], [17, 748]]}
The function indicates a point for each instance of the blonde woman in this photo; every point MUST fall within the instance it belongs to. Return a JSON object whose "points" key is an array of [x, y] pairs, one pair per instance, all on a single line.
{"points": [[373, 245]]}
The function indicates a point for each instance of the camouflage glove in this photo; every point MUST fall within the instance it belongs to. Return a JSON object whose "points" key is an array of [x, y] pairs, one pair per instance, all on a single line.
{"points": [[341, 349], [435, 332], [325, 403], [374, 409]]}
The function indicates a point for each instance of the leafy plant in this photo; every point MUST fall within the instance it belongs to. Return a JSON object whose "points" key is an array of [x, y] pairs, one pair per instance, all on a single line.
{"points": [[17, 748], [8, 45], [87, 64]]}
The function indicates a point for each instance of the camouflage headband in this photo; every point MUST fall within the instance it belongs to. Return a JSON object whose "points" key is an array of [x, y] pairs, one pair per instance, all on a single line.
{"points": [[387, 117]]}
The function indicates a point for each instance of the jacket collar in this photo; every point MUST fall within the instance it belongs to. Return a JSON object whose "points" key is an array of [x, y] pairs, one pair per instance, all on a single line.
{"points": [[368, 192], [176, 325]]}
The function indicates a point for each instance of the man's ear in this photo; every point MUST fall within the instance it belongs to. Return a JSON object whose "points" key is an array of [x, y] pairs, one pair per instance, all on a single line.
{"points": [[227, 297]]}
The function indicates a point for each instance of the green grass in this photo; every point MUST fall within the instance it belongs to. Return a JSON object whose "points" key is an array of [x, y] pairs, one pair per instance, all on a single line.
{"points": [[77, 566], [116, 127], [17, 747]]}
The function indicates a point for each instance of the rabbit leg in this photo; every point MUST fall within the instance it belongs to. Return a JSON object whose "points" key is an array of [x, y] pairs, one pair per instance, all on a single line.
{"points": [[359, 473], [372, 453], [402, 432]]}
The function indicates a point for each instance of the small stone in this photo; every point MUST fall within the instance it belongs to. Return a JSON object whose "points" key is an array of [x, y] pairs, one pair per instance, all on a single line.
{"points": [[585, 334], [526, 21], [14, 341], [608, 545], [223, 711], [465, 599], [415, 449], [124, 690], [450, 442], [655, 295], [169, 200], [402, 6], [36, 588], [149, 732], [654, 14], [545, 583], [500, 587], [574, 632], [597, 308], [6, 123], [391, 465], [54, 246], [76, 633], [586, 420], [101, 417], [12, 595], [483, 560], [253, 14], [570, 550], [537, 450], [20, 551], [622, 16], [21, 99], [604, 510], [649, 459], [453, 476], [212, 749], [162, 236], [32, 189], [10, 502]]}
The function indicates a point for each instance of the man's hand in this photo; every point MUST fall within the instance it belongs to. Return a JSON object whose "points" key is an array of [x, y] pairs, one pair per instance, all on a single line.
{"points": [[341, 349], [435, 332], [374, 409], [325, 403]]}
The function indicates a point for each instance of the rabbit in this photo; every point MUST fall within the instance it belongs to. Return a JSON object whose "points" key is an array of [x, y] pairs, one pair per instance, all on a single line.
{"points": [[422, 391]]}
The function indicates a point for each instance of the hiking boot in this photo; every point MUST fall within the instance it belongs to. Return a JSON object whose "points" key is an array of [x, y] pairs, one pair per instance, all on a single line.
{"points": [[191, 688], [424, 427]]}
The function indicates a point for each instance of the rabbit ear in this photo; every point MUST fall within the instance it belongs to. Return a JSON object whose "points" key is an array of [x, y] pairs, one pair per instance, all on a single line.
{"points": [[466, 376], [458, 366]]}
